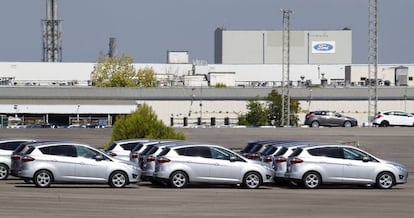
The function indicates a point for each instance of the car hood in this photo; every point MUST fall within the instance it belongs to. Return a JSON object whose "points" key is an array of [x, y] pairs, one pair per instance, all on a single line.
{"points": [[394, 163], [260, 163]]}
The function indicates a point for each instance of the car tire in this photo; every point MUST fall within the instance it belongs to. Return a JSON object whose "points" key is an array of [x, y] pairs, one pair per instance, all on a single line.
{"points": [[252, 180], [178, 179], [347, 124], [385, 180], [384, 124], [4, 171], [118, 179], [43, 178], [312, 180], [315, 124]]}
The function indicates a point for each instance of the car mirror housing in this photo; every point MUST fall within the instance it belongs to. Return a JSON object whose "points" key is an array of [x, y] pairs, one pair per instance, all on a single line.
{"points": [[233, 159], [99, 158], [366, 159]]}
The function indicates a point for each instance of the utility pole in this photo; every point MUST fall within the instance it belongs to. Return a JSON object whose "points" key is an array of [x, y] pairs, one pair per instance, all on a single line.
{"points": [[286, 68], [372, 59]]}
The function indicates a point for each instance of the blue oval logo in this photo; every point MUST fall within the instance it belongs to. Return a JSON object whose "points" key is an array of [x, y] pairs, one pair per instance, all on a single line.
{"points": [[323, 47]]}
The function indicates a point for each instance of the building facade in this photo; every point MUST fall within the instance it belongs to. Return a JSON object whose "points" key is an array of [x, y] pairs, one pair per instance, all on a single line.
{"points": [[265, 47]]}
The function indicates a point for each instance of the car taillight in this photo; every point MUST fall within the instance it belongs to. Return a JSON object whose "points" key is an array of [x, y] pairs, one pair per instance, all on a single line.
{"points": [[310, 116], [163, 160], [245, 155], [112, 154], [379, 115], [267, 159], [27, 159], [254, 156], [150, 158], [15, 157], [296, 160], [135, 156], [280, 160]]}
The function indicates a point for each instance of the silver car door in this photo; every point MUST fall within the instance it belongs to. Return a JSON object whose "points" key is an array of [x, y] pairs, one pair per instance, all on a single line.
{"points": [[88, 168], [356, 169], [222, 169]]}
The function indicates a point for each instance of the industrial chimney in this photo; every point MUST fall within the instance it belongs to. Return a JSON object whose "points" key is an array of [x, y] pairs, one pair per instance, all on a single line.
{"points": [[52, 34]]}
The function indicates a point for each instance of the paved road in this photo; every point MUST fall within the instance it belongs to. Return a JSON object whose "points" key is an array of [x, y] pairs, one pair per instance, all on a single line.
{"points": [[24, 200]]}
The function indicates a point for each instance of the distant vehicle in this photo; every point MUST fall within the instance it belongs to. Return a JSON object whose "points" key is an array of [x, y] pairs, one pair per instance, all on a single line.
{"points": [[213, 164], [65, 162], [329, 118], [342, 164], [39, 125], [393, 118]]}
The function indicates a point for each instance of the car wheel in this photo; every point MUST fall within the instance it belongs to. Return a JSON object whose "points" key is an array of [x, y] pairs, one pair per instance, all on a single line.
{"points": [[385, 180], [384, 124], [252, 180], [118, 179], [178, 179], [315, 124], [4, 171], [312, 180], [347, 124], [43, 178]]}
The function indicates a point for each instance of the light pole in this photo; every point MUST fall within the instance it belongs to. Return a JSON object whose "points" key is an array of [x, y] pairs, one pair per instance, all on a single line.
{"points": [[77, 114]]}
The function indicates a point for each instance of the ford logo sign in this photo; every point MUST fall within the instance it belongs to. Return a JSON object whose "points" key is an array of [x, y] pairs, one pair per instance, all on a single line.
{"points": [[323, 47]]}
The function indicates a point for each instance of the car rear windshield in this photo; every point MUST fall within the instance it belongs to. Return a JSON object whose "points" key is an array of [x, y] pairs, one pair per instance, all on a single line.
{"points": [[270, 150], [296, 152], [281, 151], [111, 147], [164, 151], [129, 146], [27, 150], [248, 147]]}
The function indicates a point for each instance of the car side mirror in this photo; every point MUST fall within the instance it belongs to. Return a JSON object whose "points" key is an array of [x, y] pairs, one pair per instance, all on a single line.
{"points": [[366, 159], [233, 159], [99, 158]]}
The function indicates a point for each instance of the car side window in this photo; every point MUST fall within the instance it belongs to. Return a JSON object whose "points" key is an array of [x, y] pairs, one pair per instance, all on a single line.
{"points": [[60, 150], [219, 154], [86, 152], [332, 152], [195, 151], [353, 154]]}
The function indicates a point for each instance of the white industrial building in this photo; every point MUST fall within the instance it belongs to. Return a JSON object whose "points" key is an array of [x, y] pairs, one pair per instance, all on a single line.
{"points": [[247, 62], [265, 47]]}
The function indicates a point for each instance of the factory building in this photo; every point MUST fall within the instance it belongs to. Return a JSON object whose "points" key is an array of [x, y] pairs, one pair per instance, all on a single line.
{"points": [[265, 47]]}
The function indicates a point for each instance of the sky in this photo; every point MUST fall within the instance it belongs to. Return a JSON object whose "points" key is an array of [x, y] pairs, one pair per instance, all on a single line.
{"points": [[147, 29]]}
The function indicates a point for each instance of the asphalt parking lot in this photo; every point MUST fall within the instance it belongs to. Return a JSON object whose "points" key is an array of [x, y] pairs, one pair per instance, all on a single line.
{"points": [[143, 200]]}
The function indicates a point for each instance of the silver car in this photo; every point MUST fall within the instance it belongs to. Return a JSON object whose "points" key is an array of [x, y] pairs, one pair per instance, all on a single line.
{"points": [[342, 164], [7, 146], [122, 148], [280, 158], [147, 160], [203, 163], [136, 153], [66, 162]]}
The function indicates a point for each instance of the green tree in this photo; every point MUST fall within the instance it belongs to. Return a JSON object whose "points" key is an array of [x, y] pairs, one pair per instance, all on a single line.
{"points": [[143, 123], [146, 77], [115, 72], [256, 115], [270, 113], [274, 107]]}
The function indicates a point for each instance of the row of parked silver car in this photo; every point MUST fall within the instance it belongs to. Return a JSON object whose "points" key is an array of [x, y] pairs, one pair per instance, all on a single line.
{"points": [[179, 163]]}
